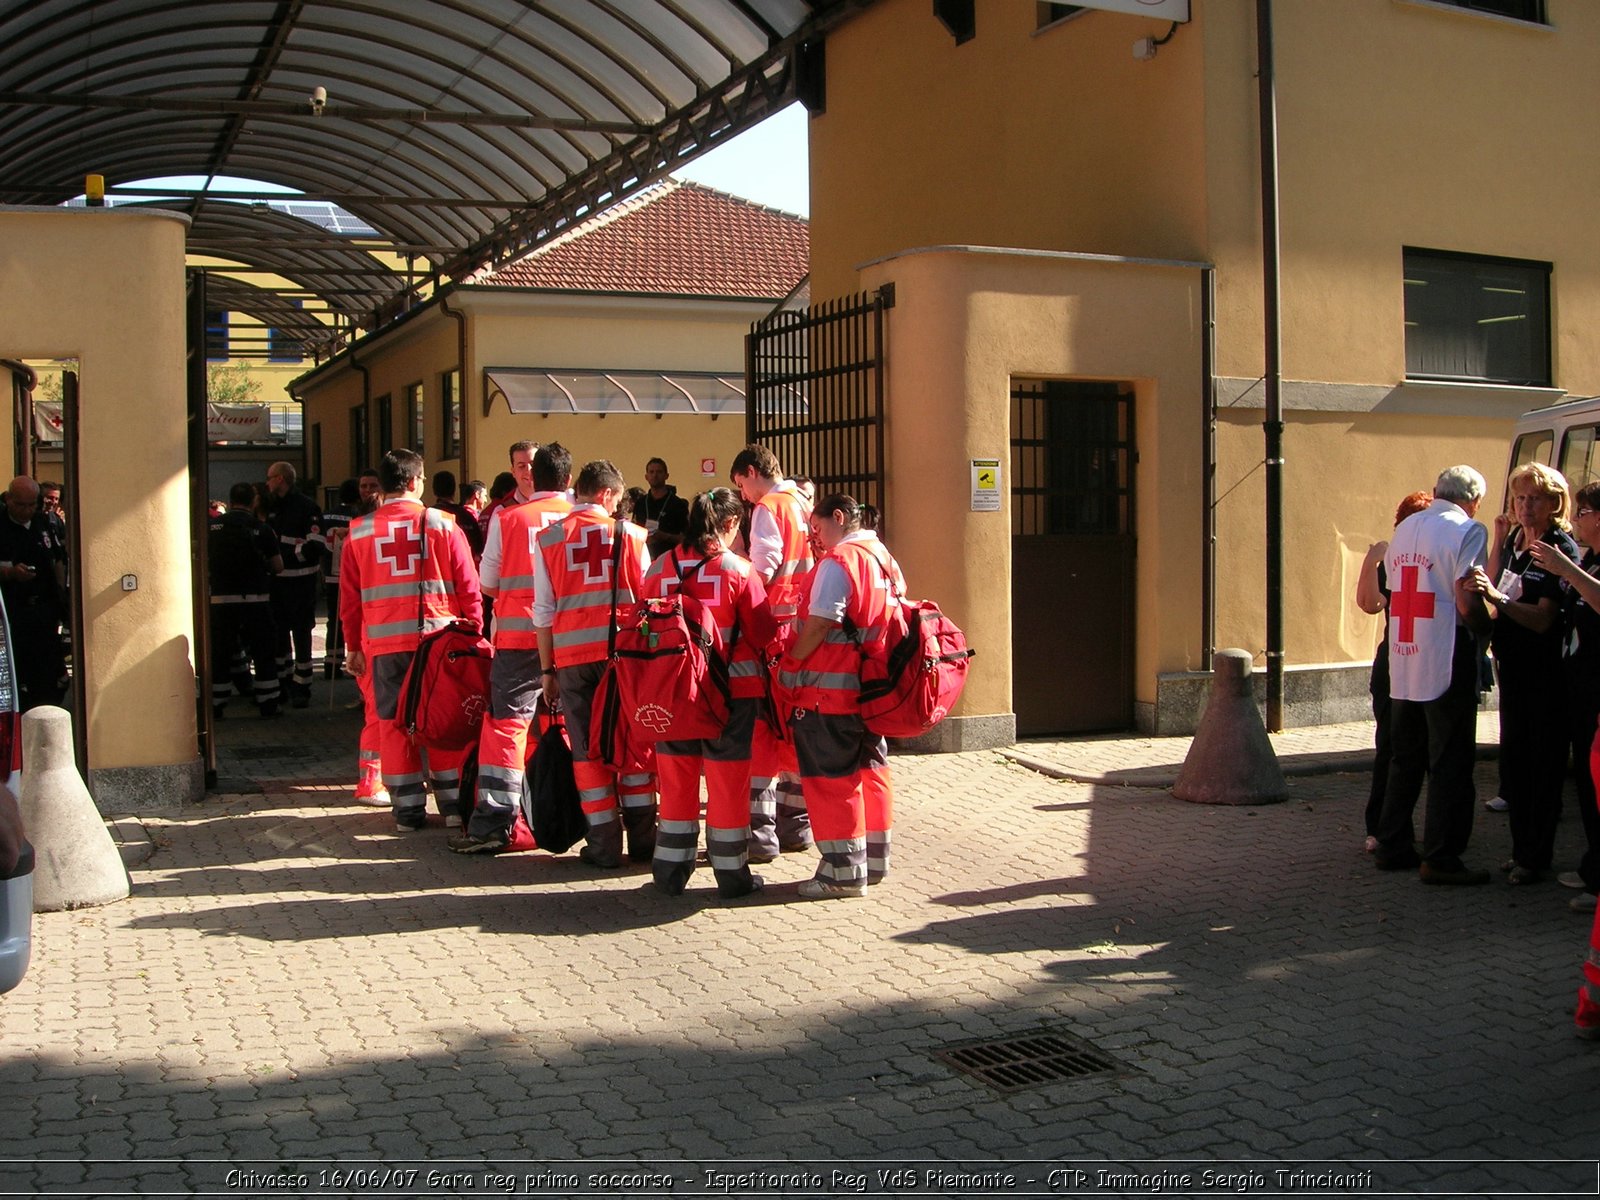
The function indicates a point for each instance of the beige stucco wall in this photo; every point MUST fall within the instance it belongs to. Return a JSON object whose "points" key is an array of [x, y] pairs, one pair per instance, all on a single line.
{"points": [[1052, 140], [964, 323], [558, 331], [1400, 124], [107, 287]]}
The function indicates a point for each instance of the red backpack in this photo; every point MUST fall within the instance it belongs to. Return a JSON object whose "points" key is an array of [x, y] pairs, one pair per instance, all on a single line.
{"points": [[446, 690], [671, 669], [913, 682]]}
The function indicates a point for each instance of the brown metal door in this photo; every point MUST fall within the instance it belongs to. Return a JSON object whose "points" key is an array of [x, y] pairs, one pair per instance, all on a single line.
{"points": [[1072, 556]]}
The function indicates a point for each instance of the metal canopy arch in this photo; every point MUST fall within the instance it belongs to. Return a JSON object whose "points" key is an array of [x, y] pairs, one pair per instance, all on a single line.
{"points": [[466, 132]]}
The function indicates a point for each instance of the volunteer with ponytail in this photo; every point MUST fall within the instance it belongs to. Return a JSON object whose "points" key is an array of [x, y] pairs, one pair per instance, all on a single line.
{"points": [[735, 599], [844, 767]]}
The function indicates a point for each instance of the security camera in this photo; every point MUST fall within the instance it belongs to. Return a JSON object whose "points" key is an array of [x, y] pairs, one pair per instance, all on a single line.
{"points": [[319, 100]]}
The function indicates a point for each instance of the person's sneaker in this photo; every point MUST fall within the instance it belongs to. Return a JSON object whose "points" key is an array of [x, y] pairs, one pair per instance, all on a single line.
{"points": [[270, 709], [798, 846], [377, 799], [827, 889], [408, 822], [1496, 804], [493, 843], [300, 701], [606, 862], [1570, 879], [1583, 902], [756, 884]]}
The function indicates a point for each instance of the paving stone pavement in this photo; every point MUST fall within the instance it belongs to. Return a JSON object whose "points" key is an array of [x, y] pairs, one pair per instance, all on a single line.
{"points": [[293, 982]]}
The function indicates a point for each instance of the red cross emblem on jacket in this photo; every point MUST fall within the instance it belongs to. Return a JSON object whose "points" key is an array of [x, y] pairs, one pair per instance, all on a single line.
{"points": [[400, 549], [591, 553]]}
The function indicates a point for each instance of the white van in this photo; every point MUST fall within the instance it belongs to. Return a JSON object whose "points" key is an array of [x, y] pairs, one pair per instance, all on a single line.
{"points": [[1563, 436]]}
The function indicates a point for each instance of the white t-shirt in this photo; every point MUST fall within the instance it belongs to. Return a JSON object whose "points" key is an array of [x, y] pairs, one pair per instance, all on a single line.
{"points": [[1430, 550]]}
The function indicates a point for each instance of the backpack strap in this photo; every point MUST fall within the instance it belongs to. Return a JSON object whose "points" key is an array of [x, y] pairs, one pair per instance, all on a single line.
{"points": [[616, 573]]}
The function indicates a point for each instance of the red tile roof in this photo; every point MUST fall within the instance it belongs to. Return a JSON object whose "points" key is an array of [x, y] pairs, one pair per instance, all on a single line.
{"points": [[675, 239]]}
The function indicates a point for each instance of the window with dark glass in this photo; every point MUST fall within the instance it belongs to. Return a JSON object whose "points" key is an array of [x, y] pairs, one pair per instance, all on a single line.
{"points": [[385, 425], [1048, 14], [1520, 10], [216, 335], [414, 418], [1477, 320], [284, 345], [450, 408], [358, 440]]}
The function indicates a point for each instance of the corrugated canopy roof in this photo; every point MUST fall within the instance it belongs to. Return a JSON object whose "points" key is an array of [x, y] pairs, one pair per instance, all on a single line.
{"points": [[466, 132]]}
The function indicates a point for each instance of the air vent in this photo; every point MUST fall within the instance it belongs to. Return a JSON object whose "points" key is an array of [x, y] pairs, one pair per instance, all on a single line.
{"points": [[1033, 1060]]}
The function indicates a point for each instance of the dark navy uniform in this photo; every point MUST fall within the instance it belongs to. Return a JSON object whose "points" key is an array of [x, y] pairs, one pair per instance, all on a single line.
{"points": [[335, 528], [240, 549], [297, 520], [1533, 708], [36, 607]]}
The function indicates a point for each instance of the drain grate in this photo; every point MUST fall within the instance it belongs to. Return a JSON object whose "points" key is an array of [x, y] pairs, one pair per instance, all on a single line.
{"points": [[1033, 1060]]}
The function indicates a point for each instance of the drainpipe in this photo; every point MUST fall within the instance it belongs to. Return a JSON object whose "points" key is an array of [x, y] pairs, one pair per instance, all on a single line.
{"points": [[460, 318], [1273, 374], [1208, 466]]}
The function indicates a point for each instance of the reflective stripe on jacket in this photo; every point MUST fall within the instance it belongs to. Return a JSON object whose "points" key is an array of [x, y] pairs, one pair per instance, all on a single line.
{"points": [[519, 531], [385, 570]]}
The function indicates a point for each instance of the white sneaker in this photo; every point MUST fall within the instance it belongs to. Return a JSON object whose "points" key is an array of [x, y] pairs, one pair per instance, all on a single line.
{"points": [[826, 889], [1583, 902], [1496, 804], [378, 799], [1570, 879]]}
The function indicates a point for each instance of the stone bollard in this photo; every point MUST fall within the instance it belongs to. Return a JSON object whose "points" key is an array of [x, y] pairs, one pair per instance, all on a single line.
{"points": [[76, 862], [1231, 761]]}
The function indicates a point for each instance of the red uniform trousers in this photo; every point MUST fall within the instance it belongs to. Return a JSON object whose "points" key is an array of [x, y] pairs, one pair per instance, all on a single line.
{"points": [[369, 757], [725, 761], [845, 772], [514, 687]]}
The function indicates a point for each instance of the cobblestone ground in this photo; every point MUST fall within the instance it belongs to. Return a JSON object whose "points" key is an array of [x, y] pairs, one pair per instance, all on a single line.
{"points": [[292, 980]]}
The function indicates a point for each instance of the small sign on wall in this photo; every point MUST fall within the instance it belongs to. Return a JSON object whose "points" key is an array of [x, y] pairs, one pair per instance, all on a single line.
{"points": [[708, 467], [986, 485]]}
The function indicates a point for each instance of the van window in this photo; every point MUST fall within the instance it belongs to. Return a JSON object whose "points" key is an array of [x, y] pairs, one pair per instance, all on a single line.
{"points": [[1533, 447], [1578, 458]]}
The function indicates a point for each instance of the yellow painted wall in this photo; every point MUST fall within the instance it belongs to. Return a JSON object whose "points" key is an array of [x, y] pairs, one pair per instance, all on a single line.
{"points": [[1400, 124], [1052, 140], [106, 286], [527, 329], [965, 323], [1346, 473]]}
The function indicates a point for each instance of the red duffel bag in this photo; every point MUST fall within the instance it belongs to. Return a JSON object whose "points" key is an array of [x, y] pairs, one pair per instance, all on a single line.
{"points": [[446, 690]]}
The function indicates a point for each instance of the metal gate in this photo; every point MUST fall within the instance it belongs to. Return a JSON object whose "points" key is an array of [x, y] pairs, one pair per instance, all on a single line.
{"points": [[814, 392], [1072, 556]]}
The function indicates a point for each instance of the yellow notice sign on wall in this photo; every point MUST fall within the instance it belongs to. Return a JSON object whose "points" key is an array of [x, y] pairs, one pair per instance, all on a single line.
{"points": [[986, 485]]}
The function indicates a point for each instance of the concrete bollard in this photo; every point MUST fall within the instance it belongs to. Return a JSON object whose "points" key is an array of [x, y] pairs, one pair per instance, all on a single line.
{"points": [[1231, 761], [76, 862]]}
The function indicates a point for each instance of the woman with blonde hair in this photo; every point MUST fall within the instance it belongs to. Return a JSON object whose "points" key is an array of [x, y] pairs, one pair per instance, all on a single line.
{"points": [[1527, 650]]}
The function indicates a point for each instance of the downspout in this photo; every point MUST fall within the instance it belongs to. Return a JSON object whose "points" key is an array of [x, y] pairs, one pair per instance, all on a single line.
{"points": [[1208, 466], [1273, 374], [460, 318]]}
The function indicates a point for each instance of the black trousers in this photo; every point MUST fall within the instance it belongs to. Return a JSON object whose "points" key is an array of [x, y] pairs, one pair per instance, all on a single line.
{"points": [[1438, 739], [1533, 755]]}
